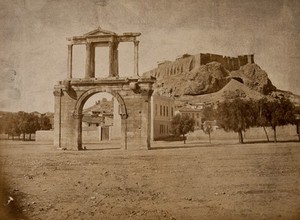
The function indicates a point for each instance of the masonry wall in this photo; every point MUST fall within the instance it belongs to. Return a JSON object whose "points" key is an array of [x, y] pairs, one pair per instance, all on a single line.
{"points": [[136, 123], [116, 128], [287, 132], [189, 62], [162, 112], [44, 136], [69, 126]]}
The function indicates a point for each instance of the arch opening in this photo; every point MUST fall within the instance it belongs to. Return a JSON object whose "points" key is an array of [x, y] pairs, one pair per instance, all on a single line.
{"points": [[100, 114]]}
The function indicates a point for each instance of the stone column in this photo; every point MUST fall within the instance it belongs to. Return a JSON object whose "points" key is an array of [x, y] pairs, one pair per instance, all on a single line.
{"points": [[136, 58], [111, 59], [124, 132], [92, 64], [70, 58], [78, 119], [88, 61], [57, 117], [116, 59]]}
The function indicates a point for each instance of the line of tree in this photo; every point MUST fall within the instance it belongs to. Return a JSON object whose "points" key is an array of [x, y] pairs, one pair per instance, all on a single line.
{"points": [[22, 123], [181, 125], [238, 115]]}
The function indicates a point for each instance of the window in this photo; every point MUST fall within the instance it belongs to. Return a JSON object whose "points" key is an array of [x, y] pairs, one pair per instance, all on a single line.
{"points": [[193, 115], [167, 111], [164, 111], [172, 113], [160, 109], [197, 115]]}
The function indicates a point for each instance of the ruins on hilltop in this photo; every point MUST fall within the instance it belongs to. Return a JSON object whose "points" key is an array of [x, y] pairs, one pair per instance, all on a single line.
{"points": [[187, 63]]}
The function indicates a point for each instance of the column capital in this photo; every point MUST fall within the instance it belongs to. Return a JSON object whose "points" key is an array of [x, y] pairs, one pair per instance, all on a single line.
{"points": [[136, 42]]}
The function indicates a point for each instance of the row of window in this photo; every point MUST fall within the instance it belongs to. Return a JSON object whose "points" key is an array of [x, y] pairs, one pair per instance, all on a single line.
{"points": [[163, 129], [192, 115], [164, 110]]}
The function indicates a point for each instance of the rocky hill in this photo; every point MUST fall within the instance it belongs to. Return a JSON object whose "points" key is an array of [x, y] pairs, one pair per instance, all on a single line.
{"points": [[255, 78], [207, 79], [233, 89], [189, 76]]}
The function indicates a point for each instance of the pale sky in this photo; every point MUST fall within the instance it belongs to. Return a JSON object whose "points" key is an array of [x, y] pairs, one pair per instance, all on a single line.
{"points": [[33, 55]]}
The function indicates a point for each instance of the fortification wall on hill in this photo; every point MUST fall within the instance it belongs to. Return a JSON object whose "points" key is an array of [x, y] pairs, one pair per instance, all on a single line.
{"points": [[187, 63]]}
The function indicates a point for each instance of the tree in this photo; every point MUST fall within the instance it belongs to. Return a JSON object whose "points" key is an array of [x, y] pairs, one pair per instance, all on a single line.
{"points": [[277, 112], [209, 114], [23, 120], [11, 125], [181, 125], [237, 115], [261, 121], [1, 124], [44, 122], [207, 129], [33, 124], [297, 117]]}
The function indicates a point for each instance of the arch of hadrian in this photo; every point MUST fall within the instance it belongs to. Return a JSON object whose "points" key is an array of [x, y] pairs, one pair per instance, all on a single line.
{"points": [[133, 93]]}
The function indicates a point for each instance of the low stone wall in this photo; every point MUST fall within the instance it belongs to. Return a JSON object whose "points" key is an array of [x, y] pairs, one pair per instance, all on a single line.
{"points": [[44, 136], [288, 132], [89, 134]]}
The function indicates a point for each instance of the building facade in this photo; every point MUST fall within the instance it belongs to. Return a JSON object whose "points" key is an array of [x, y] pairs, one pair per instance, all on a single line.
{"points": [[195, 112], [162, 112]]}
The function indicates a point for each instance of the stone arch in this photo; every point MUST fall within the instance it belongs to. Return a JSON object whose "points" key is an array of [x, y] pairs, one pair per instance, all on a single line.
{"points": [[87, 94], [77, 114]]}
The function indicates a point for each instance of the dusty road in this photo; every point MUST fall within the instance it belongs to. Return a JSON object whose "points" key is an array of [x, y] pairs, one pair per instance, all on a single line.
{"points": [[220, 181]]}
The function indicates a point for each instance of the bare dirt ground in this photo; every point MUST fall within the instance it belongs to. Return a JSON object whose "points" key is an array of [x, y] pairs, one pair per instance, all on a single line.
{"points": [[197, 181]]}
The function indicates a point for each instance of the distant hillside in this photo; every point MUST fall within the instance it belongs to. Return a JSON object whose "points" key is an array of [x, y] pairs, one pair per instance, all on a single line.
{"points": [[233, 89], [201, 74], [212, 78]]}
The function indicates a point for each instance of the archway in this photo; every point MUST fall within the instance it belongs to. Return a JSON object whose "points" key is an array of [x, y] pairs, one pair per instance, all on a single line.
{"points": [[101, 122], [120, 109], [71, 93]]}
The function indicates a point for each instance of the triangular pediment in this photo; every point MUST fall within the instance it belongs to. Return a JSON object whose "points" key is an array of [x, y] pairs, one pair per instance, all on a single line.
{"points": [[99, 31]]}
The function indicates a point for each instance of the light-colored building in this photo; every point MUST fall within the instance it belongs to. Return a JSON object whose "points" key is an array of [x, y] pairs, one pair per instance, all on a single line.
{"points": [[162, 112], [97, 121], [194, 112]]}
